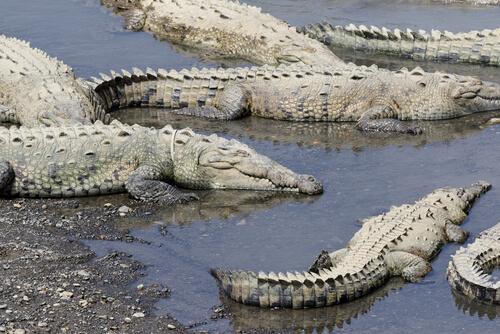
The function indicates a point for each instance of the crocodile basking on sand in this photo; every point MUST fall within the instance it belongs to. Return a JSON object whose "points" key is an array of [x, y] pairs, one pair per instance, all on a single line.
{"points": [[477, 47], [469, 267], [377, 99], [85, 160], [397, 243], [37, 89], [224, 28]]}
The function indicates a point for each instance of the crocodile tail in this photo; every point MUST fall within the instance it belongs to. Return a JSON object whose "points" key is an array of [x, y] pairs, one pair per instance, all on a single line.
{"points": [[472, 47], [296, 290], [466, 270]]}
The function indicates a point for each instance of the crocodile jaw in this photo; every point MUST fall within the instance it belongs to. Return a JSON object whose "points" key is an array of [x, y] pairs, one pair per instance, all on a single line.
{"points": [[482, 96], [234, 178], [250, 170]]}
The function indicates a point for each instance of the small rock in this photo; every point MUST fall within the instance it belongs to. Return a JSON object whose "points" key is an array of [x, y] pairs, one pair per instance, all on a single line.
{"points": [[127, 320], [3, 306], [42, 324], [83, 303], [169, 326], [67, 294], [140, 287], [124, 209], [19, 331], [493, 121], [83, 273], [138, 315]]}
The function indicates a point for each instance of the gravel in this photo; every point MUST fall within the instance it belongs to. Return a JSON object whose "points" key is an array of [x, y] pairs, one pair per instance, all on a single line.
{"points": [[53, 283]]}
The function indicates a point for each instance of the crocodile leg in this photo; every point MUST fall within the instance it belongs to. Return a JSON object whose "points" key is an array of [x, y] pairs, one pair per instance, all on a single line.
{"points": [[455, 233], [234, 103], [412, 267], [144, 183], [6, 114], [6, 173], [379, 118], [327, 260]]}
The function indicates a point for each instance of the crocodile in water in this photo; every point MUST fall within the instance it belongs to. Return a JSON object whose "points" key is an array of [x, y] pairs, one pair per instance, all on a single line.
{"points": [[377, 99], [98, 159], [37, 89], [468, 268], [399, 242], [479, 47], [227, 28]]}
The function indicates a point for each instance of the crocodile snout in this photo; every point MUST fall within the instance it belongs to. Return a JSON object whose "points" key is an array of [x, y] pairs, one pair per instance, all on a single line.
{"points": [[309, 185]]}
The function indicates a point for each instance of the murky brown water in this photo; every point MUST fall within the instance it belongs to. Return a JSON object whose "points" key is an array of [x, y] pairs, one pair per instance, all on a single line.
{"points": [[362, 174]]}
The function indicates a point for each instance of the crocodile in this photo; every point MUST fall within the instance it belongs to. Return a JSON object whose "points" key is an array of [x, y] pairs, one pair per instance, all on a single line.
{"points": [[477, 47], [228, 29], [37, 89], [468, 269], [396, 243], [474, 2], [378, 99], [97, 159]]}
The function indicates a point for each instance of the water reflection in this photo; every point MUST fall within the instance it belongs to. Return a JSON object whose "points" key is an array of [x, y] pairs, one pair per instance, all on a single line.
{"points": [[475, 308], [218, 204], [324, 135], [308, 320]]}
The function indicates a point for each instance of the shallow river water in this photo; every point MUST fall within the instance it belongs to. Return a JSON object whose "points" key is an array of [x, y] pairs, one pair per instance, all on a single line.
{"points": [[363, 174]]}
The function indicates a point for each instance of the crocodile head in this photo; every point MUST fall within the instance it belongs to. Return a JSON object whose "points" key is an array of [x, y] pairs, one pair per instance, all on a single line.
{"points": [[212, 162], [476, 95], [446, 95]]}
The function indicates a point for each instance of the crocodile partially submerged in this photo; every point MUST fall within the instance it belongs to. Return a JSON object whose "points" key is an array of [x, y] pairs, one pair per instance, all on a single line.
{"points": [[468, 271], [37, 89], [377, 99], [477, 47], [98, 159], [399, 242], [225, 28], [231, 29]]}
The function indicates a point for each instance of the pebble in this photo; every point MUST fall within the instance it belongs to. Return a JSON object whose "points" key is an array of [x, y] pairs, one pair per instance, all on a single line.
{"points": [[67, 294], [124, 209], [127, 320], [83, 273], [19, 331], [494, 121], [169, 326], [138, 315], [140, 287]]}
